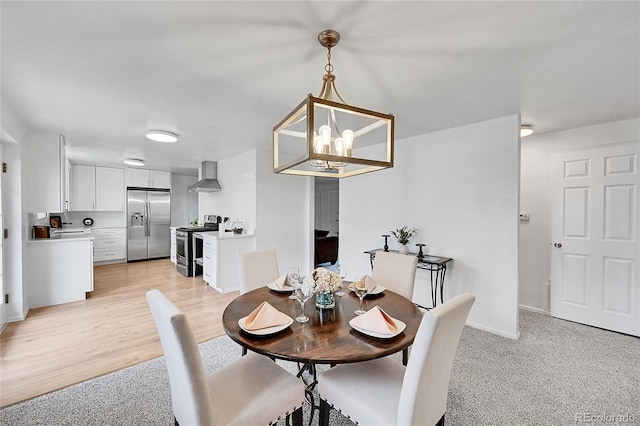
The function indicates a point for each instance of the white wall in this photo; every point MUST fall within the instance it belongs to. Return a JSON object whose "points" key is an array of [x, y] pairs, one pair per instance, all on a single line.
{"points": [[284, 215], [237, 200], [184, 204], [535, 198], [460, 188], [14, 214]]}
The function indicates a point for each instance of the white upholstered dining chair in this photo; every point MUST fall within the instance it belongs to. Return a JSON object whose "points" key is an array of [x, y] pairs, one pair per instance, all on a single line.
{"points": [[240, 394], [256, 269], [397, 272], [383, 392]]}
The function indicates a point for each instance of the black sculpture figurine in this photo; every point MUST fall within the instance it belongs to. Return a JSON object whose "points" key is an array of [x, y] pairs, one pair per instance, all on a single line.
{"points": [[386, 246], [420, 253]]}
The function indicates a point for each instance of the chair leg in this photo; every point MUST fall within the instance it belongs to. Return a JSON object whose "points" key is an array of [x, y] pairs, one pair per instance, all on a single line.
{"points": [[405, 356], [296, 417], [244, 351], [323, 419], [441, 421]]}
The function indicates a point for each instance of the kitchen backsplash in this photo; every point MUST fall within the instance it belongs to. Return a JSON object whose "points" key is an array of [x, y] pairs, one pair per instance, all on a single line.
{"points": [[74, 219]]}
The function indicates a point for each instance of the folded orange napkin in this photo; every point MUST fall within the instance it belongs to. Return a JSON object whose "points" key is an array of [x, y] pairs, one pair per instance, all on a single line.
{"points": [[365, 281], [282, 282], [265, 316], [376, 320]]}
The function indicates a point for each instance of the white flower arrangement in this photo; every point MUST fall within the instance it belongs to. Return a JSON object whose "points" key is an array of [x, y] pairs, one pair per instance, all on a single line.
{"points": [[322, 280]]}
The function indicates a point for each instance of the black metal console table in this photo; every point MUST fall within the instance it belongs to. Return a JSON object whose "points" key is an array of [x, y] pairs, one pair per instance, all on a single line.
{"points": [[436, 265]]}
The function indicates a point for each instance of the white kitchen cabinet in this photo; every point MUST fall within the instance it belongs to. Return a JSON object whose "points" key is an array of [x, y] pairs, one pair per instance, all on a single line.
{"points": [[62, 271], [160, 179], [109, 189], [83, 187], [110, 245], [219, 264], [143, 178], [96, 188]]}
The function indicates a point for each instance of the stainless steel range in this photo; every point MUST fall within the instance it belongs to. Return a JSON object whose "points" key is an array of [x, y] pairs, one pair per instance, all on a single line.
{"points": [[185, 250]]}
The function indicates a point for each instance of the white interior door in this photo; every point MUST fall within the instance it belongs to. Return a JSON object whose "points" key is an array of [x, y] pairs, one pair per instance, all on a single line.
{"points": [[595, 248], [329, 207]]}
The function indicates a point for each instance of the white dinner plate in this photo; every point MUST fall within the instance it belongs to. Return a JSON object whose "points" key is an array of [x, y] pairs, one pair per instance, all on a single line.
{"points": [[264, 331], [401, 327], [286, 289], [377, 290]]}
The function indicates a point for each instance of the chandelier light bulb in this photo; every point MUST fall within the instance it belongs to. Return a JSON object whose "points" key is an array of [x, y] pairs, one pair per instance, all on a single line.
{"points": [[339, 144], [325, 134], [347, 136]]}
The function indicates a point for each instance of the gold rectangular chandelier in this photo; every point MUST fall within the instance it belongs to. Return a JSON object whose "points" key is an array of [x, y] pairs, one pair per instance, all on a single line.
{"points": [[323, 137]]}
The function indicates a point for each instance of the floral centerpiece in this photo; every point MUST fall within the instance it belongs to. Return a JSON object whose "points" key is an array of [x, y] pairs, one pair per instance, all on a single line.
{"points": [[324, 283], [403, 235]]}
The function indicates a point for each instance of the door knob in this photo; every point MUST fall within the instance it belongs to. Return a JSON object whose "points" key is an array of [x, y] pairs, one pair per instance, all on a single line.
{"points": [[558, 245]]}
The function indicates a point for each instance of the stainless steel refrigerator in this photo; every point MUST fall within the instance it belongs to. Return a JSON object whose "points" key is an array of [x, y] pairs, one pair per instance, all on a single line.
{"points": [[148, 221]]}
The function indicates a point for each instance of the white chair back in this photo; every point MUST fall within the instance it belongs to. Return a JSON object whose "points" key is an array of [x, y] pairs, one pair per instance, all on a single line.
{"points": [[423, 398], [257, 268], [189, 390], [397, 272]]}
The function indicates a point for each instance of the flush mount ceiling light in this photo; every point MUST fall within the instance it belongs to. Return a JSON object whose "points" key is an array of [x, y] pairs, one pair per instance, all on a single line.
{"points": [[162, 136], [323, 137], [133, 162], [526, 130]]}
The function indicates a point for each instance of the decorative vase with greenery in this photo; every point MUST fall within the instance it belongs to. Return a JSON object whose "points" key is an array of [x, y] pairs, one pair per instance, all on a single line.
{"points": [[403, 235]]}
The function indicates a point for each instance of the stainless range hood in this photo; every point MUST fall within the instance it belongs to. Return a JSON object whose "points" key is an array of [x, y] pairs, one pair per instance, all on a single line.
{"points": [[208, 178]]}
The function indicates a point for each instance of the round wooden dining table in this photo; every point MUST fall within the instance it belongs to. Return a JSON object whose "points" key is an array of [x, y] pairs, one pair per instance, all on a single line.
{"points": [[327, 338]]}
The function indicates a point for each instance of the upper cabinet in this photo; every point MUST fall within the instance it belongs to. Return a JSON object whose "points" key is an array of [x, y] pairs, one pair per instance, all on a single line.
{"points": [[142, 178], [45, 159], [97, 188], [109, 189], [83, 187]]}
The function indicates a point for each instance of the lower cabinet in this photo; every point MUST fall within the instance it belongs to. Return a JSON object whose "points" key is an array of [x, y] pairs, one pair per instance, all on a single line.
{"points": [[219, 264], [110, 245], [61, 271]]}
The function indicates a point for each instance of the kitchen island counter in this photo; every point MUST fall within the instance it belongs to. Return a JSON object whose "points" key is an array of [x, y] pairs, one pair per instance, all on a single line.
{"points": [[219, 254], [62, 237], [62, 269], [225, 235]]}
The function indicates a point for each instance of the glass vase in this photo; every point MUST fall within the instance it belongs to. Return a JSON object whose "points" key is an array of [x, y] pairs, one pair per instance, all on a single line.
{"points": [[325, 300]]}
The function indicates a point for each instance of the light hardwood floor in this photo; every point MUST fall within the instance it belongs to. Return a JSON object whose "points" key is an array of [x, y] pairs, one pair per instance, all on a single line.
{"points": [[61, 345]]}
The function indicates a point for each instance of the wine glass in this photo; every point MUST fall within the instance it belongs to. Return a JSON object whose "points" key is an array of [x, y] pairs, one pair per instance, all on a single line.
{"points": [[294, 279], [342, 271], [302, 293], [360, 292]]}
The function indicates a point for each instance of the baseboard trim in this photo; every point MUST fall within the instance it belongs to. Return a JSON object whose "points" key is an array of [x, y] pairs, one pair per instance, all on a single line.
{"points": [[532, 309], [494, 331]]}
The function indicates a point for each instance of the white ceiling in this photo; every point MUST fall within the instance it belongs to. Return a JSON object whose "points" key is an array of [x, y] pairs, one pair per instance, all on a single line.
{"points": [[221, 74]]}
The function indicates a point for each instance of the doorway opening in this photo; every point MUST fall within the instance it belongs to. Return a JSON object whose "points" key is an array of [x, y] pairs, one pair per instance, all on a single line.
{"points": [[326, 221]]}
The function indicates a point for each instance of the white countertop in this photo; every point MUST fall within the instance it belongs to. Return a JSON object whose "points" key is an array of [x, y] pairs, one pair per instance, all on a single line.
{"points": [[62, 237], [225, 235]]}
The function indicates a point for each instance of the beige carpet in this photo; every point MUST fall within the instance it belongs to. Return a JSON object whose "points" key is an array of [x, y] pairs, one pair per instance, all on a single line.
{"points": [[558, 373]]}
